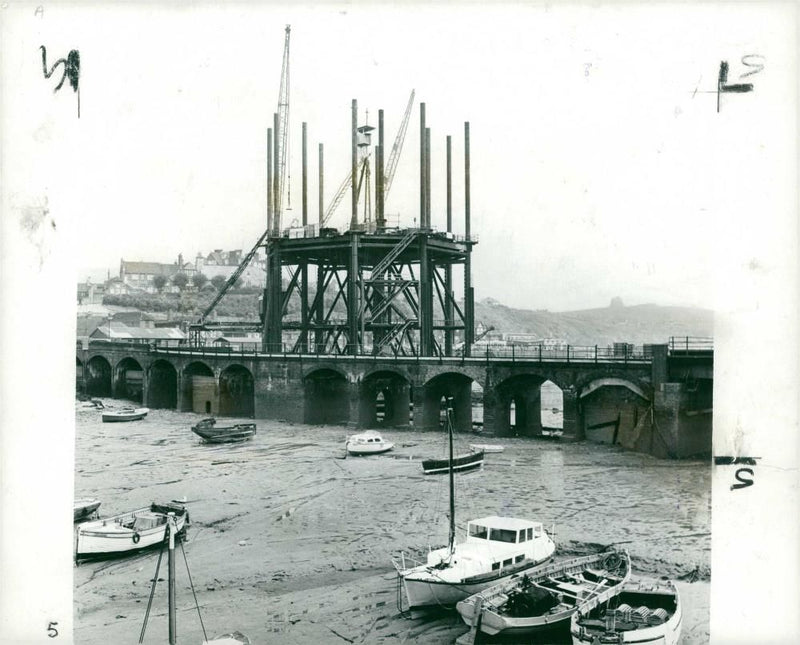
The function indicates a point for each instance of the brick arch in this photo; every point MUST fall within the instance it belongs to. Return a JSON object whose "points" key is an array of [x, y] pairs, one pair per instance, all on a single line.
{"points": [[162, 384], [325, 366], [326, 396], [236, 391], [199, 388], [622, 378], [384, 399], [128, 380]]}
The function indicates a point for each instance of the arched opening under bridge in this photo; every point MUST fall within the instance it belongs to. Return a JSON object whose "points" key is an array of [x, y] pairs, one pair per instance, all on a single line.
{"points": [[162, 385], [79, 382], [98, 377], [236, 392], [199, 389], [516, 406], [435, 393], [613, 408], [129, 381], [384, 400], [326, 398]]}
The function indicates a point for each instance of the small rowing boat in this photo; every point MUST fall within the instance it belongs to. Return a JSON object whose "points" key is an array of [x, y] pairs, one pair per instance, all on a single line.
{"points": [[486, 447], [128, 532], [643, 611], [209, 432], [460, 464], [544, 599], [125, 414], [83, 508]]}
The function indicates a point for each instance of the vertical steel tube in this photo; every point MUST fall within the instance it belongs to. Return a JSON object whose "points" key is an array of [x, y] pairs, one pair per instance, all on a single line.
{"points": [[469, 296], [305, 176], [276, 190], [427, 177], [321, 192], [422, 209], [449, 186], [353, 167], [380, 216], [448, 271], [270, 203]]}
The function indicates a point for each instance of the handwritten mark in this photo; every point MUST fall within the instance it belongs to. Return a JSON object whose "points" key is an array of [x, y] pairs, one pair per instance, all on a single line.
{"points": [[744, 476], [52, 632], [722, 83], [71, 70]]}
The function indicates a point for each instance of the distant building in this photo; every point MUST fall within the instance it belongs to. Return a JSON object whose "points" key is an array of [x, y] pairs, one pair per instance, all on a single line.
{"points": [[224, 263], [90, 293], [119, 331], [141, 275]]}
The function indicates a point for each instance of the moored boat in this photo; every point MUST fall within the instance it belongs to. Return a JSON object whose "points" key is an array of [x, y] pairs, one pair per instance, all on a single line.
{"points": [[495, 549], [124, 414], [127, 532], [545, 599], [459, 464], [367, 443], [211, 433], [486, 447], [643, 611], [83, 508]]}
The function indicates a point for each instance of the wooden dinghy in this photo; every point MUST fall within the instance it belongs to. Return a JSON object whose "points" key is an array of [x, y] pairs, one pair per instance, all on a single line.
{"points": [[486, 447], [84, 508], [124, 414], [460, 464], [545, 598], [128, 532], [209, 432], [642, 612]]}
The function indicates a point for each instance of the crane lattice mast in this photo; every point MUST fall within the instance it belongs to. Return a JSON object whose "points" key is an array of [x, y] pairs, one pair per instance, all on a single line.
{"points": [[282, 140]]}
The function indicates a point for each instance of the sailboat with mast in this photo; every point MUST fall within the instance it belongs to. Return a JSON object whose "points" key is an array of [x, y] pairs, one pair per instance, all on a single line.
{"points": [[495, 548]]}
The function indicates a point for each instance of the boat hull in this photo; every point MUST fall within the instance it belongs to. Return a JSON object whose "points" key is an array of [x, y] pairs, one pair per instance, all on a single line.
{"points": [[496, 620], [361, 451], [231, 434], [422, 592], [462, 463], [127, 533], [83, 508], [615, 631], [122, 416]]}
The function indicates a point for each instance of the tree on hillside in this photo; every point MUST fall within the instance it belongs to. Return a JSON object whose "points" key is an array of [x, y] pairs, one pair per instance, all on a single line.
{"points": [[218, 281], [199, 279], [159, 282], [180, 280]]}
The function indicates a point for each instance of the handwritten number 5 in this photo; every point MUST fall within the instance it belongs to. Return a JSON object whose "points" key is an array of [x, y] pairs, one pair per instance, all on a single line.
{"points": [[72, 68], [52, 632]]}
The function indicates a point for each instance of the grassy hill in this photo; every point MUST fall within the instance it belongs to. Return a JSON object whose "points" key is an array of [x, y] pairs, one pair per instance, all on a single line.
{"points": [[638, 324]]}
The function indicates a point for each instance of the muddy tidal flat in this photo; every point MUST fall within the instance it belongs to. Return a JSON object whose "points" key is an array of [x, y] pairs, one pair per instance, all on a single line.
{"points": [[290, 542]]}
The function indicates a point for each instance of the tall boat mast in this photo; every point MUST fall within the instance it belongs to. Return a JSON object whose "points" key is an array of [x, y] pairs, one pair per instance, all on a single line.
{"points": [[452, 537]]}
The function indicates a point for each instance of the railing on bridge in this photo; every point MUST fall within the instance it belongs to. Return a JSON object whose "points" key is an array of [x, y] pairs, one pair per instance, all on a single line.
{"points": [[691, 345], [539, 354]]}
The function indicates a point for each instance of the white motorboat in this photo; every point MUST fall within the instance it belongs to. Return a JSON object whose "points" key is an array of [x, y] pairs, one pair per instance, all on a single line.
{"points": [[367, 443], [495, 549], [543, 600], [127, 532], [643, 611], [124, 414]]}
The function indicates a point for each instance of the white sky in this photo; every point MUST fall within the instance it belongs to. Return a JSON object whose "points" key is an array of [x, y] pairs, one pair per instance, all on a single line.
{"points": [[599, 162]]}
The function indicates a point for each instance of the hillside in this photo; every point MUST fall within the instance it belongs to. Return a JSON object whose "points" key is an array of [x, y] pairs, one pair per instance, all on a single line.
{"points": [[637, 324]]}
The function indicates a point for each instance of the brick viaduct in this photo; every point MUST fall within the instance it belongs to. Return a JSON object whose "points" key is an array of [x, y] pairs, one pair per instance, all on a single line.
{"points": [[363, 391]]}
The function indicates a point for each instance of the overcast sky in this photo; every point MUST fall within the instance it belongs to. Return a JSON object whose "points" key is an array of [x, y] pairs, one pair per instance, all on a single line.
{"points": [[600, 166]]}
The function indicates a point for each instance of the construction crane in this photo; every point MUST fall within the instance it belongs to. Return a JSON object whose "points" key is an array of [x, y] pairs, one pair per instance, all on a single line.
{"points": [[282, 147], [282, 137], [391, 165]]}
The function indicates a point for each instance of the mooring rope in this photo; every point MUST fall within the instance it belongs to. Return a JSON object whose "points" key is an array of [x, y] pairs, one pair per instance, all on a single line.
{"points": [[152, 592], [196, 604]]}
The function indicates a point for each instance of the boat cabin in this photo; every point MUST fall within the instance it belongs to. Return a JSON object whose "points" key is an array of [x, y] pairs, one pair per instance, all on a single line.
{"points": [[503, 529], [366, 438]]}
